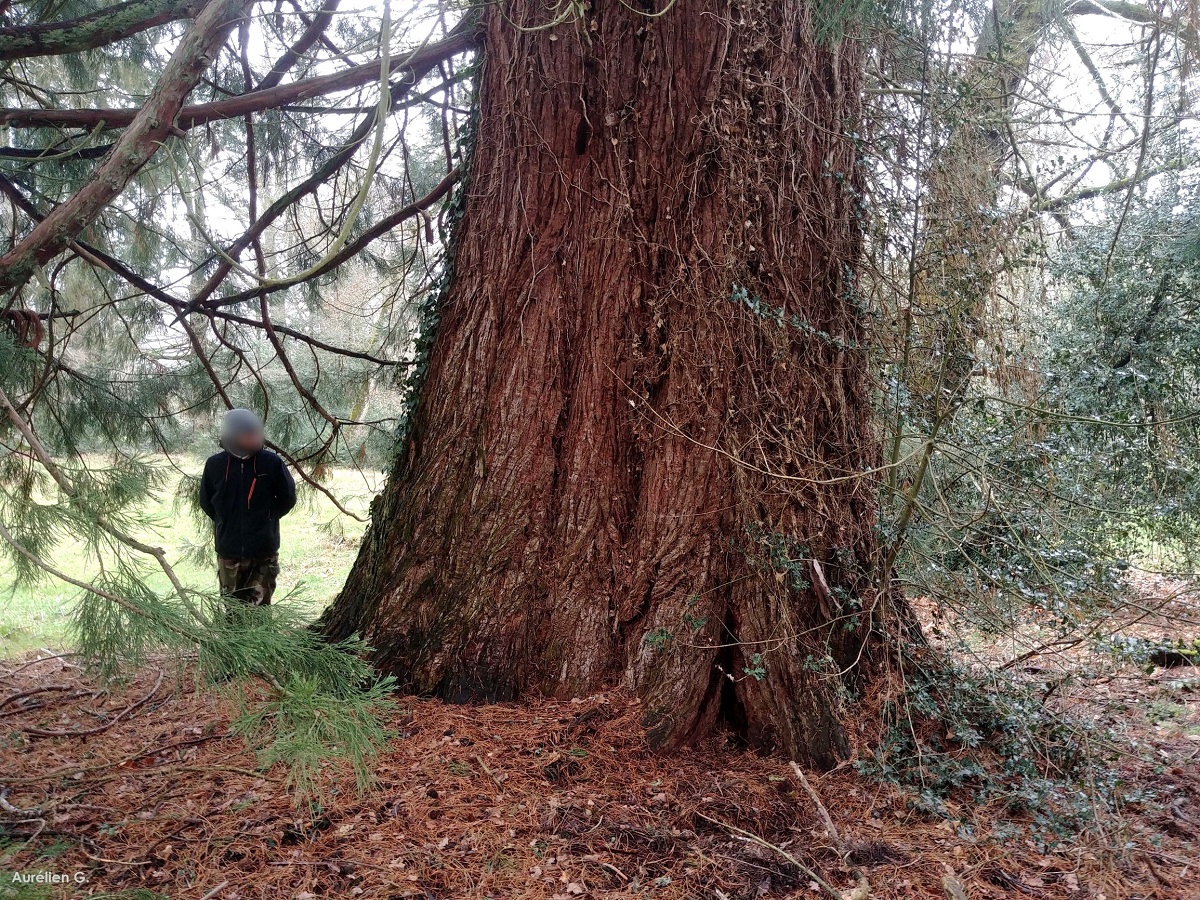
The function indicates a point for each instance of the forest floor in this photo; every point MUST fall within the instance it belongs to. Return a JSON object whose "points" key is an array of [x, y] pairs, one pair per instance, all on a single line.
{"points": [[144, 792]]}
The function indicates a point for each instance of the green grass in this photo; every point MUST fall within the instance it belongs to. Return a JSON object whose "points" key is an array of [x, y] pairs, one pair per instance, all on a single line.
{"points": [[319, 545]]}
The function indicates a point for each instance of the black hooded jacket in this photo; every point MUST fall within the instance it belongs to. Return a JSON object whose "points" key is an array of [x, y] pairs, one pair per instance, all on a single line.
{"points": [[245, 498]]}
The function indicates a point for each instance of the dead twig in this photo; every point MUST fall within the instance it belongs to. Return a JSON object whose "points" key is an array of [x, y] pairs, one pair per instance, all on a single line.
{"points": [[16, 810], [830, 828], [41, 659], [125, 713], [26, 816], [80, 771], [486, 771], [39, 705], [859, 893], [220, 887], [21, 695]]}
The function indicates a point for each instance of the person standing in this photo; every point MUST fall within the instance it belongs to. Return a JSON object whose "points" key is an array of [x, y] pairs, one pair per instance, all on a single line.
{"points": [[246, 489]]}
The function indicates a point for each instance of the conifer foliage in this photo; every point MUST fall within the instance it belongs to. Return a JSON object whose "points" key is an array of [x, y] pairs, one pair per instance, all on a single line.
{"points": [[208, 204]]}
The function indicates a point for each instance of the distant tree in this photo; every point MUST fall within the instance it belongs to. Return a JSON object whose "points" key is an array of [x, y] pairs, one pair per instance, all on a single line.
{"points": [[985, 172]]}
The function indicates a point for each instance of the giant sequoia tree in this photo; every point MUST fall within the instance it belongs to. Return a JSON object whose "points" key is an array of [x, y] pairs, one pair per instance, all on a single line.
{"points": [[637, 454]]}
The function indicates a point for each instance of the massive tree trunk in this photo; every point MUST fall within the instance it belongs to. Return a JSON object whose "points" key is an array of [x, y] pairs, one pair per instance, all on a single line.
{"points": [[637, 454]]}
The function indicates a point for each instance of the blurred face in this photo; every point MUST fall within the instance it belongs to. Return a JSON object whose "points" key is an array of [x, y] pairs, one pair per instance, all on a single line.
{"points": [[251, 441]]}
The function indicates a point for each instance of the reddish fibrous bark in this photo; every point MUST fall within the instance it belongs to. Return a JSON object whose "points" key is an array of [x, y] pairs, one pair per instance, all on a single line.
{"points": [[638, 454]]}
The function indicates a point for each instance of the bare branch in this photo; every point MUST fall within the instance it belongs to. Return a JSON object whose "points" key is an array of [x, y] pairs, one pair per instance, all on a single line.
{"points": [[1133, 12], [355, 247], [102, 260], [311, 35]]}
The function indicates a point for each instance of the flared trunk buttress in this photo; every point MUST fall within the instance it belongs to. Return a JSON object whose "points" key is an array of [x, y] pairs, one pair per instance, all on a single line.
{"points": [[635, 455]]}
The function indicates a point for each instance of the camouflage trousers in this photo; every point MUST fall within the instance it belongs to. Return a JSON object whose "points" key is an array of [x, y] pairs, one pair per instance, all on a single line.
{"points": [[252, 581]]}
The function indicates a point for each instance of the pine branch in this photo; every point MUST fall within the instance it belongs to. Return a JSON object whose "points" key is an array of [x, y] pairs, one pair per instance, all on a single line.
{"points": [[147, 130], [102, 522], [98, 29], [132, 609], [310, 185], [315, 30], [102, 260], [407, 67], [37, 154], [383, 226]]}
